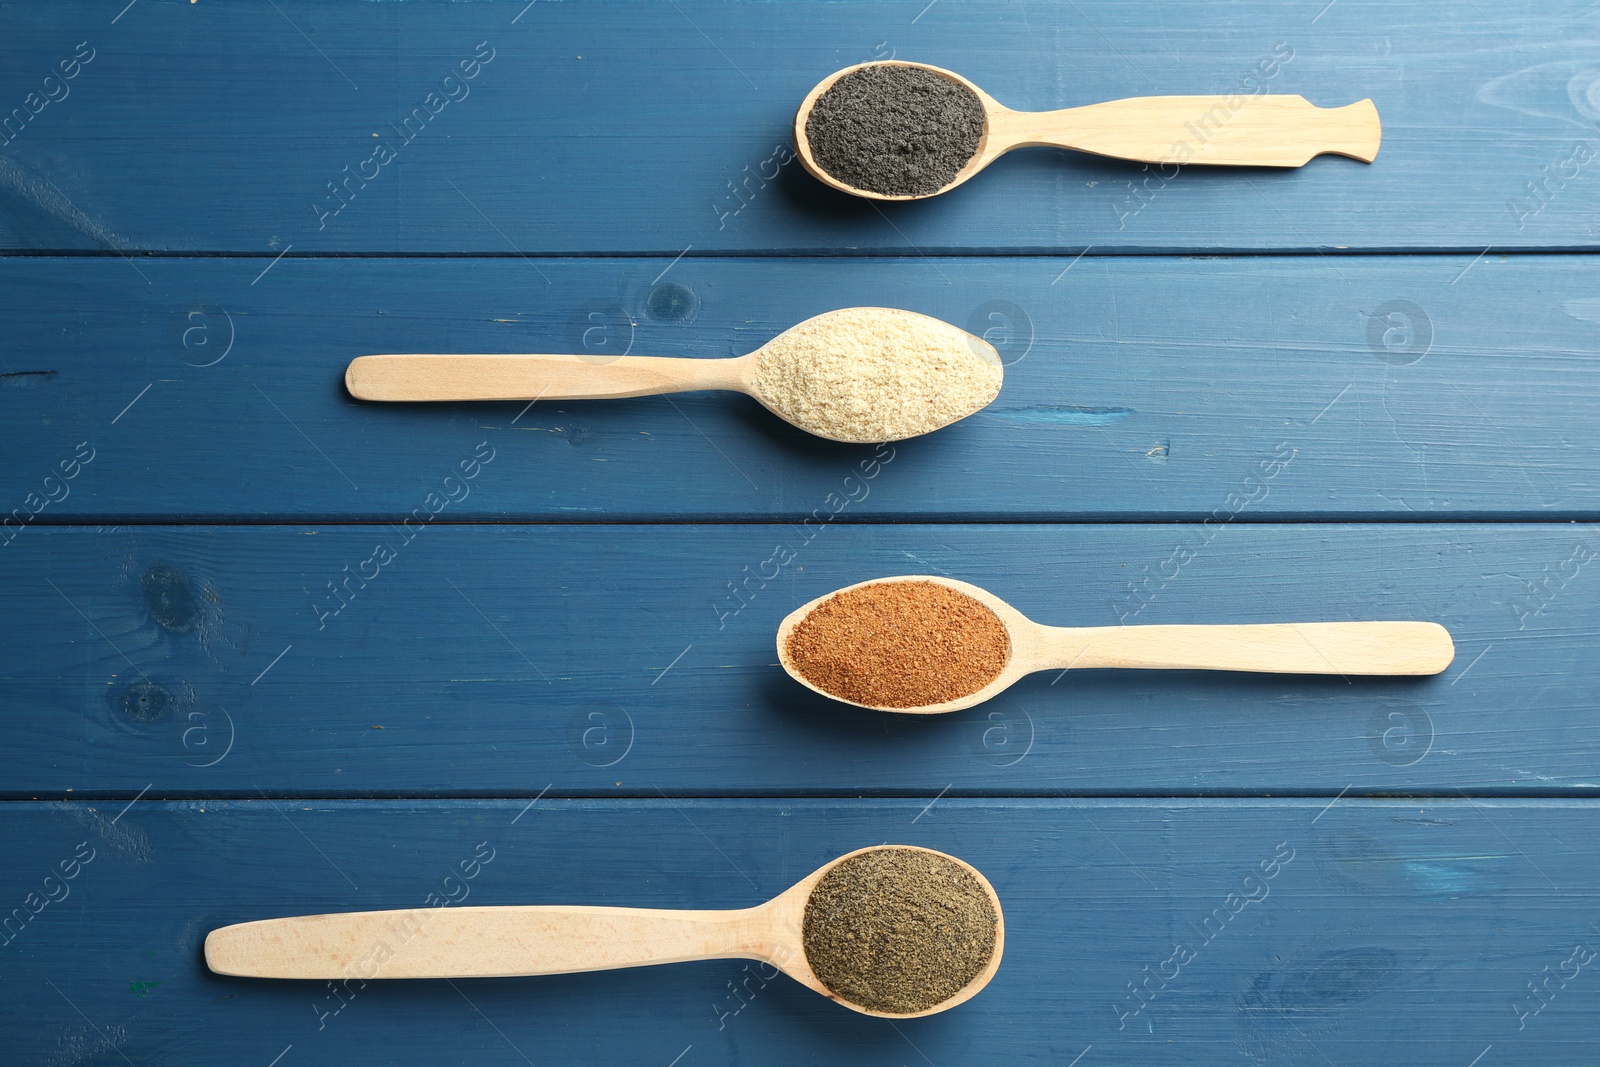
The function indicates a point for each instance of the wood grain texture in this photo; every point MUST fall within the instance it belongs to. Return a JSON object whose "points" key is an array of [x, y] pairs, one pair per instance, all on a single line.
{"points": [[1272, 130], [1360, 647], [571, 608], [518, 941], [537, 376], [495, 660], [1262, 131], [650, 127], [1291, 932], [1136, 387], [857, 375]]}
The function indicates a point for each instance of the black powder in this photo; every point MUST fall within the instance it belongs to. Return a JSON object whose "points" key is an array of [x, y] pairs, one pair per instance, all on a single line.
{"points": [[898, 930], [901, 131]]}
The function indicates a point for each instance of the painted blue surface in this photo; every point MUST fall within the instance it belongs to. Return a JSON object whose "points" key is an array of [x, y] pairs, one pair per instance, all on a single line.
{"points": [[1377, 382], [1363, 932], [499, 660], [649, 127], [1138, 387]]}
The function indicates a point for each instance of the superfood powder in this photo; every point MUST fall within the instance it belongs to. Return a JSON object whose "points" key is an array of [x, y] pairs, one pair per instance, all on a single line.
{"points": [[870, 375], [898, 930], [900, 131], [899, 645]]}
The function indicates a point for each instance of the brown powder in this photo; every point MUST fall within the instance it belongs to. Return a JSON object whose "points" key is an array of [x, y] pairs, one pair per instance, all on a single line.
{"points": [[899, 645], [898, 930]]}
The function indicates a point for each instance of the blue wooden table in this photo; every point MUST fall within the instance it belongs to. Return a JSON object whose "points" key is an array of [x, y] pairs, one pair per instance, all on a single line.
{"points": [[269, 651]]}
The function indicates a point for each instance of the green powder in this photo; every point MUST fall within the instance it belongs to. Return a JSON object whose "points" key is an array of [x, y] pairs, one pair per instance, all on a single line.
{"points": [[898, 930]]}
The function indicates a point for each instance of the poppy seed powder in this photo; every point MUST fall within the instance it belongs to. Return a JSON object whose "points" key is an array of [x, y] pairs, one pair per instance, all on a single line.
{"points": [[895, 130]]}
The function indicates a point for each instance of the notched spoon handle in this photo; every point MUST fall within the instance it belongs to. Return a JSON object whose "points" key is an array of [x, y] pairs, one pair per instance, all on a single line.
{"points": [[1285, 648], [1258, 131], [492, 942], [534, 377]]}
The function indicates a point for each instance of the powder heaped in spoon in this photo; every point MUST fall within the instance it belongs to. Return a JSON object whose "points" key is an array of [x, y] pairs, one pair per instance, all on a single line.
{"points": [[898, 930], [870, 375], [899, 645], [895, 130]]}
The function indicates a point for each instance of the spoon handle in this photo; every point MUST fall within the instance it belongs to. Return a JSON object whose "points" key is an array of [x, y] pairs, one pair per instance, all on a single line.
{"points": [[534, 377], [1253, 131], [1282, 648], [493, 942]]}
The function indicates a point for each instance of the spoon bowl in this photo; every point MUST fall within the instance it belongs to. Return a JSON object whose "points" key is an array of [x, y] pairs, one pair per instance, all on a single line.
{"points": [[501, 942], [1237, 130], [980, 159], [1343, 648], [861, 375]]}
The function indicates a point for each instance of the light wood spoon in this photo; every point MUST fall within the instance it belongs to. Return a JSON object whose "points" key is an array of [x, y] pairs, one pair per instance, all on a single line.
{"points": [[1242, 130], [502, 942], [897, 352], [1402, 648]]}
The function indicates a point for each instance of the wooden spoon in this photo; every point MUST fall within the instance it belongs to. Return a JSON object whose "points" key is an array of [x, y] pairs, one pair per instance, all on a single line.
{"points": [[1409, 648], [1241, 130], [905, 345], [502, 942]]}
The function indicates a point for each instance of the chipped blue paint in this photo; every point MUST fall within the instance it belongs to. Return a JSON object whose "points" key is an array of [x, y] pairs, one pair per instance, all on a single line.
{"points": [[586, 638], [1064, 414]]}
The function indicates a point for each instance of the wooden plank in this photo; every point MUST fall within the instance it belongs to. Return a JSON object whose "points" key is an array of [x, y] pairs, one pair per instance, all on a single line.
{"points": [[1138, 387], [1270, 929], [496, 660], [649, 127]]}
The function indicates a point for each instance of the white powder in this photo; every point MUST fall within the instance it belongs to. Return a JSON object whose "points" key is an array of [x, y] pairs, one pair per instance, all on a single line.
{"points": [[867, 375]]}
